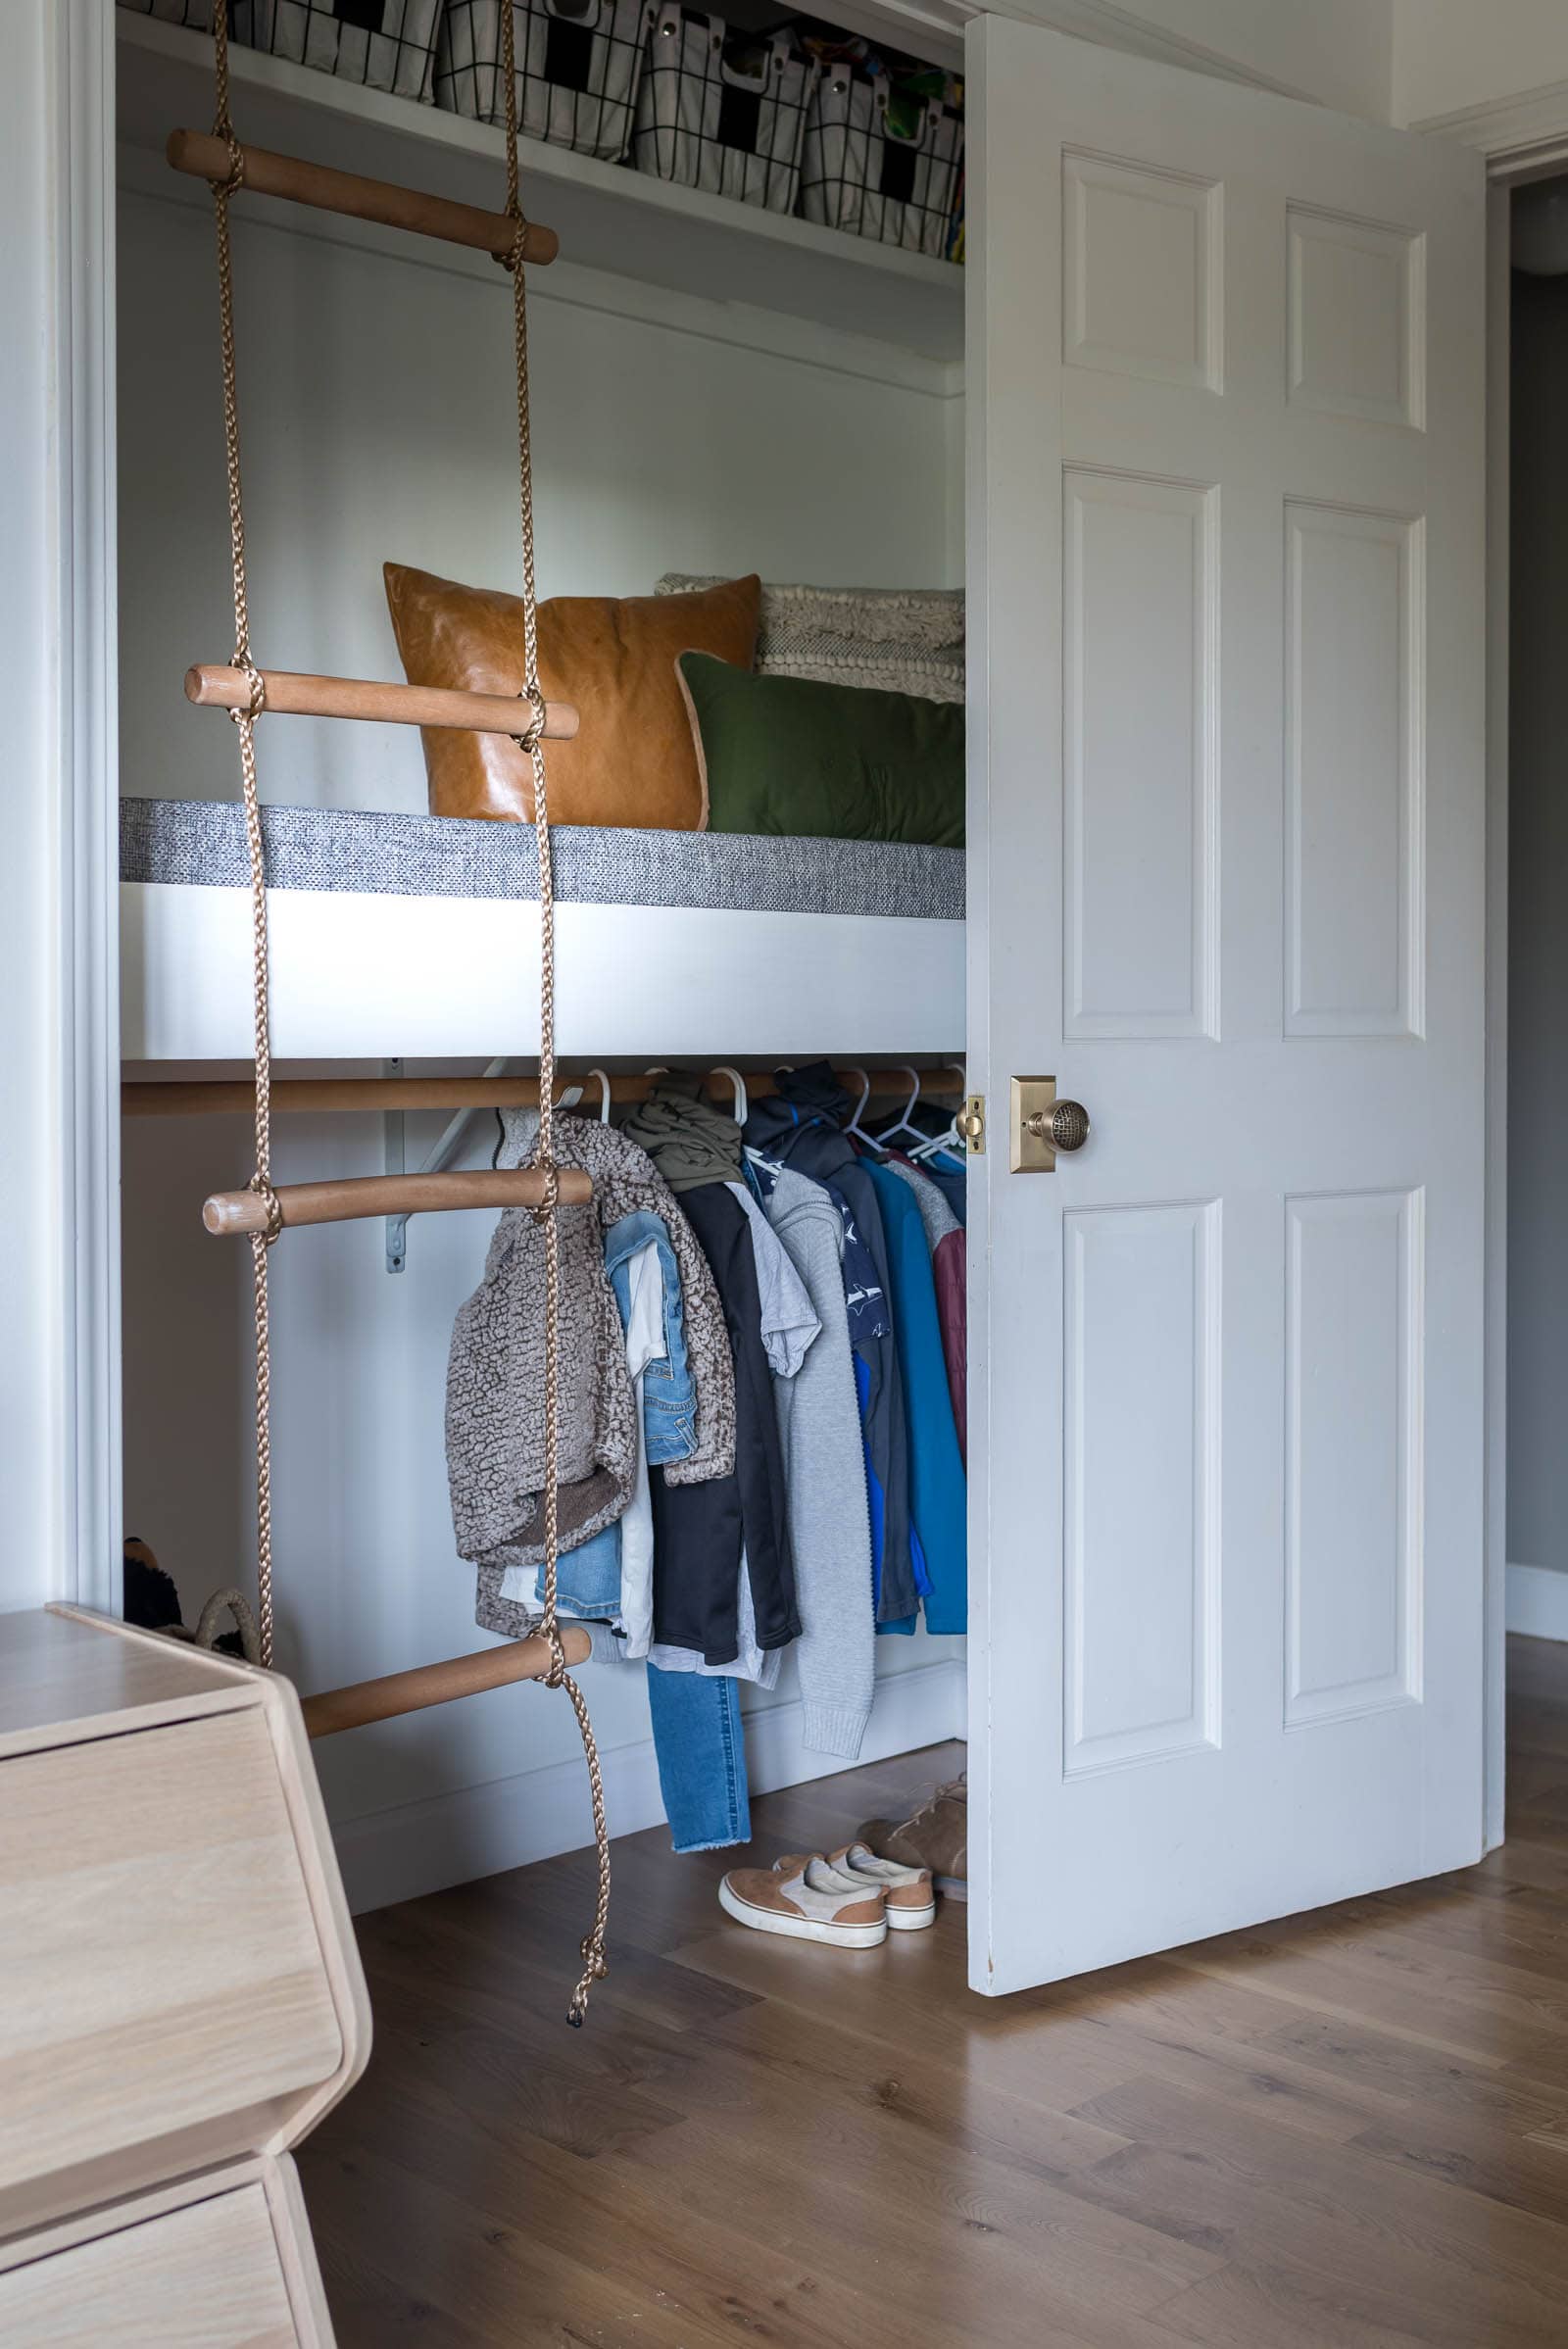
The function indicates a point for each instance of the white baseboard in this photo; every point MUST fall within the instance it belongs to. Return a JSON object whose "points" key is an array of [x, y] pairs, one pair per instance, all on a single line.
{"points": [[450, 1839], [1538, 1601]]}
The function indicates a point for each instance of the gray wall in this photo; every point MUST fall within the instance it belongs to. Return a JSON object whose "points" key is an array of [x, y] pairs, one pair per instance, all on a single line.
{"points": [[1538, 932]]}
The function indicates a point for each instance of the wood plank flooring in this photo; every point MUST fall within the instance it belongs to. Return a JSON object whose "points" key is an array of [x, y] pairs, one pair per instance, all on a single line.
{"points": [[1345, 2130]]}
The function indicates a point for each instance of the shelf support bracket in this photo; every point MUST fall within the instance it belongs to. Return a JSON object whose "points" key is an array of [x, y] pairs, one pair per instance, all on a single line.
{"points": [[393, 1151]]}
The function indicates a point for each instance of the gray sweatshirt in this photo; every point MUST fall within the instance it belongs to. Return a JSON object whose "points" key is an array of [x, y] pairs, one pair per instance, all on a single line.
{"points": [[824, 1466]]}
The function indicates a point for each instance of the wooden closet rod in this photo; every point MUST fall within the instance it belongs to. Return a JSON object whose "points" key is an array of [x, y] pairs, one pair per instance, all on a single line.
{"points": [[203, 157], [213, 686], [362, 1195], [437, 1684], [215, 1097]]}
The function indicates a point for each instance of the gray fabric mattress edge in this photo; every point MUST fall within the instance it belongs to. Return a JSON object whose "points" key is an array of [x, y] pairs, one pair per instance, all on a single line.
{"points": [[202, 843]]}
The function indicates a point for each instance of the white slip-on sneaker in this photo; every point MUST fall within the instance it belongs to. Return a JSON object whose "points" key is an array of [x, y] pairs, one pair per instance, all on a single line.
{"points": [[912, 1896], [807, 1900]]}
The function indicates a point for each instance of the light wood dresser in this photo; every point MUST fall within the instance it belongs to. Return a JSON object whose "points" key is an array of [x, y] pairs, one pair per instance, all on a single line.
{"points": [[180, 1995]]}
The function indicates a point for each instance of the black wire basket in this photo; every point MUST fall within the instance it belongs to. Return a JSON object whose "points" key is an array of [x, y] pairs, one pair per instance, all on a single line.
{"points": [[197, 13], [382, 44], [723, 111], [579, 66], [883, 159]]}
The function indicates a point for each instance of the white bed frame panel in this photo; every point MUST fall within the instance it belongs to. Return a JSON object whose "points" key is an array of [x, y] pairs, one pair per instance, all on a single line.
{"points": [[362, 976]]}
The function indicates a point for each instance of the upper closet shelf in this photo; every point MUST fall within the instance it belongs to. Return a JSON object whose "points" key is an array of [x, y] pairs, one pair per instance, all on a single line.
{"points": [[609, 217]]}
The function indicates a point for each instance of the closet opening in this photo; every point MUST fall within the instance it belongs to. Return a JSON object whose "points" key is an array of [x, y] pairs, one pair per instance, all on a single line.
{"points": [[748, 483], [1537, 985]]}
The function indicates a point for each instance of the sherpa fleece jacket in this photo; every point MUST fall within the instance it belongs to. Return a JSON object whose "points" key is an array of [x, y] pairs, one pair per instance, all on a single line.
{"points": [[824, 1473], [495, 1370]]}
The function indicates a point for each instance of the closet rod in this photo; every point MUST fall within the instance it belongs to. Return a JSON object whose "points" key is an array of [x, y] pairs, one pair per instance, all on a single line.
{"points": [[213, 686], [203, 157], [438, 1684], [216, 1096], [365, 1196]]}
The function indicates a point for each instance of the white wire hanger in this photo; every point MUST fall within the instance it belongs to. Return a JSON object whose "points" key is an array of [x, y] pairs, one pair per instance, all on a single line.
{"points": [[852, 1125], [950, 1139], [903, 1124], [742, 1106]]}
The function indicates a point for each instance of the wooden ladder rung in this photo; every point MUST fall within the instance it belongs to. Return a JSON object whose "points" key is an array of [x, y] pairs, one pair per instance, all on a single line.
{"points": [[366, 1196], [290, 694], [203, 157], [438, 1684]]}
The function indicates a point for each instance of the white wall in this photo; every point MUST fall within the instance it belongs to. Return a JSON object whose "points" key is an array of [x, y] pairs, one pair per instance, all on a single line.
{"points": [[376, 405], [1538, 965], [1337, 52], [378, 421], [1452, 55]]}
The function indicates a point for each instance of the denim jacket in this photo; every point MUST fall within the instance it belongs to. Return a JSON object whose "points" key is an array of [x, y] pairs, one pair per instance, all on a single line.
{"points": [[588, 1578], [669, 1410]]}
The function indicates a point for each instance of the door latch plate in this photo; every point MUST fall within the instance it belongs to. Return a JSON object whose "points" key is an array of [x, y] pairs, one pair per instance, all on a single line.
{"points": [[1030, 1153]]}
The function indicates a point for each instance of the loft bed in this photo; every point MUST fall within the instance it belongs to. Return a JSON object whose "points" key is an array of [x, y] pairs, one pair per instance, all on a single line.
{"points": [[416, 936]]}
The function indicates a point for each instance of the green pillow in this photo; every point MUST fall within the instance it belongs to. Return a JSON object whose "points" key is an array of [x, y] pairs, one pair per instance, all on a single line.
{"points": [[787, 755]]}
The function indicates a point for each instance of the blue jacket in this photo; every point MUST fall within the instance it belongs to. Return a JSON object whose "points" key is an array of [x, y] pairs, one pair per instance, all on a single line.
{"points": [[938, 1494]]}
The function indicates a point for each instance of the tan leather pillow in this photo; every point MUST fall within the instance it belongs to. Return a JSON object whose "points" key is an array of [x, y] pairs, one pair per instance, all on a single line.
{"points": [[633, 761]]}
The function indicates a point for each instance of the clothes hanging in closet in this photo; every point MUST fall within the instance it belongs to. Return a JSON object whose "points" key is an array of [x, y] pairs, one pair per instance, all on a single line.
{"points": [[800, 1128], [723, 1608], [824, 1475], [709, 1580], [495, 1409], [938, 1501], [948, 1241], [610, 1578], [688, 1138], [698, 1529]]}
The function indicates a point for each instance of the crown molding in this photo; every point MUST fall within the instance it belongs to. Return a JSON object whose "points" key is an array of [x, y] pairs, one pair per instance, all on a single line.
{"points": [[1524, 136]]}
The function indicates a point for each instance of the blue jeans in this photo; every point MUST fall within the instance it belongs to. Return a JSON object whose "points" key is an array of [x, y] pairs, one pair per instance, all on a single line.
{"points": [[702, 1758]]}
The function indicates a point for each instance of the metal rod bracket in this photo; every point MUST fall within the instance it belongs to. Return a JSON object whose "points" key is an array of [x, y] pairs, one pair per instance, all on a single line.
{"points": [[394, 1154]]}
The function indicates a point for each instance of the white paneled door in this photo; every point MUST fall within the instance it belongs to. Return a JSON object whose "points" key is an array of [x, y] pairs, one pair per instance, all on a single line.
{"points": [[1226, 587]]}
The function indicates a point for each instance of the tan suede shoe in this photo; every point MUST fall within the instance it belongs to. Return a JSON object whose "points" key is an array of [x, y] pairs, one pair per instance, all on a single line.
{"points": [[807, 1900], [937, 1837]]}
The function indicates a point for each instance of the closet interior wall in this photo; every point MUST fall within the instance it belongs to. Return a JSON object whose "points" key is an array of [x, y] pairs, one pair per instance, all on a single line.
{"points": [[670, 433]]}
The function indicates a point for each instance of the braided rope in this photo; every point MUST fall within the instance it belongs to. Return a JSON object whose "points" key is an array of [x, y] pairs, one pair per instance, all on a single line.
{"points": [[245, 722], [593, 1944]]}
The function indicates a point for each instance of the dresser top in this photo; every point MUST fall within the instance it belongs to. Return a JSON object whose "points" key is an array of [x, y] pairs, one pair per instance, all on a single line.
{"points": [[65, 1674]]}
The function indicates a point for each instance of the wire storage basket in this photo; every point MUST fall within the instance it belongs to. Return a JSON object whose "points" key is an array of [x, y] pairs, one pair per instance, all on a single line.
{"points": [[723, 111], [382, 44], [198, 14], [580, 66], [883, 155]]}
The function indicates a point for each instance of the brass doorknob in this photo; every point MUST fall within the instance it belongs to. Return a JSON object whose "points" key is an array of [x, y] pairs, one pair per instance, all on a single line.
{"points": [[1061, 1126]]}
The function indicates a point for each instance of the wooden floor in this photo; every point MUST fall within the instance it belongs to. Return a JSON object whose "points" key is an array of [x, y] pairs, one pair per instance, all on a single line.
{"points": [[1349, 2131]]}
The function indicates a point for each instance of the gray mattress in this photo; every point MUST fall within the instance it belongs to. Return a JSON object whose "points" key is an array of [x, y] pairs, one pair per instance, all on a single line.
{"points": [[203, 841]]}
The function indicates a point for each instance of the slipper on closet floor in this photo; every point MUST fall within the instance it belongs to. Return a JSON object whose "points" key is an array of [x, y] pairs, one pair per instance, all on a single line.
{"points": [[912, 1895], [807, 1900], [911, 1902]]}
